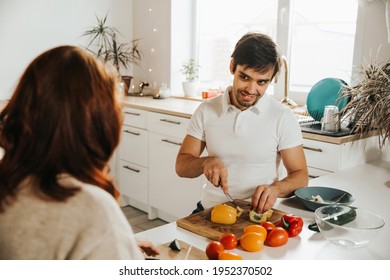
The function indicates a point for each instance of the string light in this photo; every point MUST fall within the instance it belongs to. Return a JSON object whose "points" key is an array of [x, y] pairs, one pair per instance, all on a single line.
{"points": [[152, 49]]}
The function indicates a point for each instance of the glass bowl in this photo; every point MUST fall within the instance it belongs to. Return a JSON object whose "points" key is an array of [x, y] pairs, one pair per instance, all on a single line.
{"points": [[348, 226]]}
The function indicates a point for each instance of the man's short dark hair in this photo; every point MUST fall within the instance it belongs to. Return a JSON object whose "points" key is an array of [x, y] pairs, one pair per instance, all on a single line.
{"points": [[257, 51]]}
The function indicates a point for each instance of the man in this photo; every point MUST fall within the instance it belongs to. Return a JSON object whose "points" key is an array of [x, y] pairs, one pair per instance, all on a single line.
{"points": [[246, 133]]}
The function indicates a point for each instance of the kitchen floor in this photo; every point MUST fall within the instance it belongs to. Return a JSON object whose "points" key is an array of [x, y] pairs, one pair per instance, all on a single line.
{"points": [[139, 219]]}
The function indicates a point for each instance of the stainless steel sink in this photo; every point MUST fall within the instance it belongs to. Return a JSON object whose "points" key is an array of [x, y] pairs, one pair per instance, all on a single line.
{"points": [[316, 128]]}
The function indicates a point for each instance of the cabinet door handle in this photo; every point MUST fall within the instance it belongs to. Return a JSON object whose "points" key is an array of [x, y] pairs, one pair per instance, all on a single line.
{"points": [[313, 149], [313, 177], [131, 132], [132, 169], [131, 113], [169, 121], [171, 142]]}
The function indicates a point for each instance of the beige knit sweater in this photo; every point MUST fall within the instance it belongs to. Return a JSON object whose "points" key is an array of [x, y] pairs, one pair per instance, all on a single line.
{"points": [[90, 225]]}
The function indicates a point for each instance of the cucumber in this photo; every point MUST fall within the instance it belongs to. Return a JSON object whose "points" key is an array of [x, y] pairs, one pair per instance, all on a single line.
{"points": [[175, 245], [336, 217], [340, 218]]}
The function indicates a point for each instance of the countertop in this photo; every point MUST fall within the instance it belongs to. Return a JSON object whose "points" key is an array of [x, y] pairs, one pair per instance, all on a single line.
{"points": [[184, 107], [369, 183]]}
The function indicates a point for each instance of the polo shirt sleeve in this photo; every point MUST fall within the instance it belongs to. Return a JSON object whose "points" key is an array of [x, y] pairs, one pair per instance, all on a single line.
{"points": [[289, 132], [196, 126]]}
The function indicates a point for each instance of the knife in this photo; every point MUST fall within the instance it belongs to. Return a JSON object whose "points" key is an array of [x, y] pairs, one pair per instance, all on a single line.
{"points": [[229, 197]]}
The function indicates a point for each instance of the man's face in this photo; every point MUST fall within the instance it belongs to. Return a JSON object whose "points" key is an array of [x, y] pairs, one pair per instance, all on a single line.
{"points": [[249, 86]]}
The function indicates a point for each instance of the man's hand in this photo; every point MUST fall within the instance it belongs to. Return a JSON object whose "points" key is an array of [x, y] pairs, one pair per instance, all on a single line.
{"points": [[216, 172], [264, 198]]}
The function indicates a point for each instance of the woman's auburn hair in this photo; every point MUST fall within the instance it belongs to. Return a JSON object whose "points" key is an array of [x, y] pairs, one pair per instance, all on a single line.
{"points": [[63, 118]]}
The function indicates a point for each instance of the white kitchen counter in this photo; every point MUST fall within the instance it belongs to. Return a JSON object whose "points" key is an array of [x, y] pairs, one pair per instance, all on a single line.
{"points": [[369, 183], [172, 106]]}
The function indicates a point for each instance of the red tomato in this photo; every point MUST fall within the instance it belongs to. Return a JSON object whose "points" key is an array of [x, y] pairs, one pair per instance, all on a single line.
{"points": [[229, 241], [213, 249], [277, 237], [268, 226]]}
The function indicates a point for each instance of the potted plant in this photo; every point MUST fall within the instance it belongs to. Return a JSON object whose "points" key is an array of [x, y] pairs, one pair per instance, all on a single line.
{"points": [[369, 108], [104, 43], [190, 69]]}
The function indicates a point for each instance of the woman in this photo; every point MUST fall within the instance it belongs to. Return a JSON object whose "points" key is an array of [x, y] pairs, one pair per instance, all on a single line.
{"points": [[58, 132]]}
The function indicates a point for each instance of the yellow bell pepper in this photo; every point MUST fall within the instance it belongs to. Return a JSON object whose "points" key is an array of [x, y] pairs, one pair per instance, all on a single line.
{"points": [[260, 217], [224, 214]]}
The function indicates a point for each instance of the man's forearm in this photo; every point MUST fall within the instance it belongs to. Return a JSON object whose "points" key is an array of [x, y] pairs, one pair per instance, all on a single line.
{"points": [[188, 166], [292, 182]]}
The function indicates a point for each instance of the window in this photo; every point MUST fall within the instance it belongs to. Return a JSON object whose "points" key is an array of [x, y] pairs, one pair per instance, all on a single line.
{"points": [[322, 37], [218, 34], [322, 41]]}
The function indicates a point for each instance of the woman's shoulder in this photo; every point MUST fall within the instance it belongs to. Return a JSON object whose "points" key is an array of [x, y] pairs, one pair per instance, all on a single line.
{"points": [[91, 198]]}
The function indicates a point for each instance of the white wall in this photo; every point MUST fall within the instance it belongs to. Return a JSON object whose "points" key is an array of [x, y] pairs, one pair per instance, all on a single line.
{"points": [[386, 152], [371, 39], [27, 28], [152, 25]]}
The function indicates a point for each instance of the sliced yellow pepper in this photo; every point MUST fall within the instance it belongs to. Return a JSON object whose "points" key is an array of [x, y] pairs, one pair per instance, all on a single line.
{"points": [[224, 214], [260, 217]]}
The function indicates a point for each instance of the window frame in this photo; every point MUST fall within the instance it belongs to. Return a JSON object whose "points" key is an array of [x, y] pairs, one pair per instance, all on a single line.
{"points": [[284, 41]]}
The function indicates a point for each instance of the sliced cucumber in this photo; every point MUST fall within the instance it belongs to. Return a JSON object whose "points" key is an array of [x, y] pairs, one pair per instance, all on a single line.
{"points": [[175, 245]]}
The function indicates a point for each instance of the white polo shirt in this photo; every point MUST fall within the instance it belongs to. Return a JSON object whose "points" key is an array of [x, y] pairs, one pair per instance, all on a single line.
{"points": [[248, 142]]}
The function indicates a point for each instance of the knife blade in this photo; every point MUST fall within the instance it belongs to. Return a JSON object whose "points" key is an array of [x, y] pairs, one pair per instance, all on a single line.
{"points": [[229, 197]]}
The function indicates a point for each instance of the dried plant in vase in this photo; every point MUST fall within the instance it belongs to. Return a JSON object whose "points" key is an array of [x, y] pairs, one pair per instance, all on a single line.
{"points": [[369, 108]]}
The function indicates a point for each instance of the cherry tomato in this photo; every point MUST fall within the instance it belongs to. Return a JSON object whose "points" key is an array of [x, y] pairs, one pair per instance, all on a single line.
{"points": [[213, 249], [277, 237], [268, 226], [257, 228], [226, 255], [252, 241], [229, 241]]}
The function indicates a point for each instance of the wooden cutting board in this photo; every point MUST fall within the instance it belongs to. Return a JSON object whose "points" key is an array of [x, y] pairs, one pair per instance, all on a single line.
{"points": [[200, 223], [187, 252]]}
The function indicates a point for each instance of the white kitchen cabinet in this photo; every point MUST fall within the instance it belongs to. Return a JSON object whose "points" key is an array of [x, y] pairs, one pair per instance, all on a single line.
{"points": [[146, 163], [133, 159], [134, 117], [170, 196], [134, 184], [323, 158]]}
